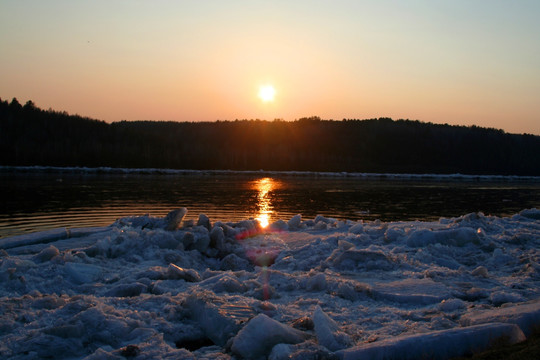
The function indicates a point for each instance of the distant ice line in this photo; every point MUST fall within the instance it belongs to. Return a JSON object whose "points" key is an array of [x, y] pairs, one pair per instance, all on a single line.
{"points": [[367, 176]]}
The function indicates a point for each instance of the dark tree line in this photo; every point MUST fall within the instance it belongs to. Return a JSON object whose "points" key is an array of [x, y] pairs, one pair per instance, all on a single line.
{"points": [[32, 136]]}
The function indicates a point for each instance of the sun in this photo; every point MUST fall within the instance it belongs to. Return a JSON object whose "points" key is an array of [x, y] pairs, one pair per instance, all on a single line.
{"points": [[267, 93]]}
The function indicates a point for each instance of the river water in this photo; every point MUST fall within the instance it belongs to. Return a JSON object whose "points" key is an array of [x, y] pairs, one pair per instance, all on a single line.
{"points": [[36, 201]]}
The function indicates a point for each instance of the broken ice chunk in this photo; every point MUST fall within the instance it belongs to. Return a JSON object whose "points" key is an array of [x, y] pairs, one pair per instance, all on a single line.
{"points": [[204, 221], [46, 254], [526, 316], [174, 219], [217, 238], [234, 262], [442, 344], [480, 271], [218, 319], [449, 305], [261, 334], [327, 331], [176, 272], [82, 273], [295, 222], [357, 228]]}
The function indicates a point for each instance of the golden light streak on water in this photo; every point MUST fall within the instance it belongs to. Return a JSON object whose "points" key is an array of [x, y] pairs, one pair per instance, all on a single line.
{"points": [[265, 210]]}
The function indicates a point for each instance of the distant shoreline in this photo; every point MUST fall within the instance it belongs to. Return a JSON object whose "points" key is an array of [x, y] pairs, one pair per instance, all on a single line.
{"points": [[182, 172], [31, 136]]}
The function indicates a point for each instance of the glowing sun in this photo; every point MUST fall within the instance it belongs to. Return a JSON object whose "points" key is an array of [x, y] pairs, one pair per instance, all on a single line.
{"points": [[267, 93]]}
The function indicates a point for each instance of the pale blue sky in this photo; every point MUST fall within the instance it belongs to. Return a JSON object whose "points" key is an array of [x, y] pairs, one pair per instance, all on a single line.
{"points": [[458, 62]]}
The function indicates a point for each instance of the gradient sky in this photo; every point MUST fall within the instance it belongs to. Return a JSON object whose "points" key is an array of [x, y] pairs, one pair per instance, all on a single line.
{"points": [[460, 62]]}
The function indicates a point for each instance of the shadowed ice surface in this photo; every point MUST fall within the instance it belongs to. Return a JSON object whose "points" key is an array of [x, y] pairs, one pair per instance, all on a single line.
{"points": [[303, 287]]}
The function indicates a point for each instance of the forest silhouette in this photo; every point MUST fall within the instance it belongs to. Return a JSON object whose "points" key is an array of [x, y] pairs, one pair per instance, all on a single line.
{"points": [[31, 136]]}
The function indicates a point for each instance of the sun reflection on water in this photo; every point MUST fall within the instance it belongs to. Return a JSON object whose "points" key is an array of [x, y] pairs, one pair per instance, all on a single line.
{"points": [[264, 202]]}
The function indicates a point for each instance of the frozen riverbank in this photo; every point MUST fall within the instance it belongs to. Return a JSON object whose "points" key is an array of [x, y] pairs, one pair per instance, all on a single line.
{"points": [[144, 287]]}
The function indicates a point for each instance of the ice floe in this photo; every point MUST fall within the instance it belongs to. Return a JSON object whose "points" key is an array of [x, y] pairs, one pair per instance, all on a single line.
{"points": [[148, 287]]}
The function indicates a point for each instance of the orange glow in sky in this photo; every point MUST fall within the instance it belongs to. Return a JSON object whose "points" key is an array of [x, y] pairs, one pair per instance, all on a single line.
{"points": [[459, 62]]}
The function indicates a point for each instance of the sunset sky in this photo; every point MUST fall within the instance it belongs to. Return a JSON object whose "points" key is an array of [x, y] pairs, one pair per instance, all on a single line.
{"points": [[460, 62]]}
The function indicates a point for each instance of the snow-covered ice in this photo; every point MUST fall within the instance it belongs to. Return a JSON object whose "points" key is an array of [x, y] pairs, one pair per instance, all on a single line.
{"points": [[148, 287]]}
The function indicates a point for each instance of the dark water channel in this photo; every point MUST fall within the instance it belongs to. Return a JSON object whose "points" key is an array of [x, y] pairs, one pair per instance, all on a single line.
{"points": [[40, 201]]}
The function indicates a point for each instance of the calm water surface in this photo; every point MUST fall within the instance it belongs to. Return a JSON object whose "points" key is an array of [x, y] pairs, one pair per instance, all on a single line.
{"points": [[40, 201]]}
